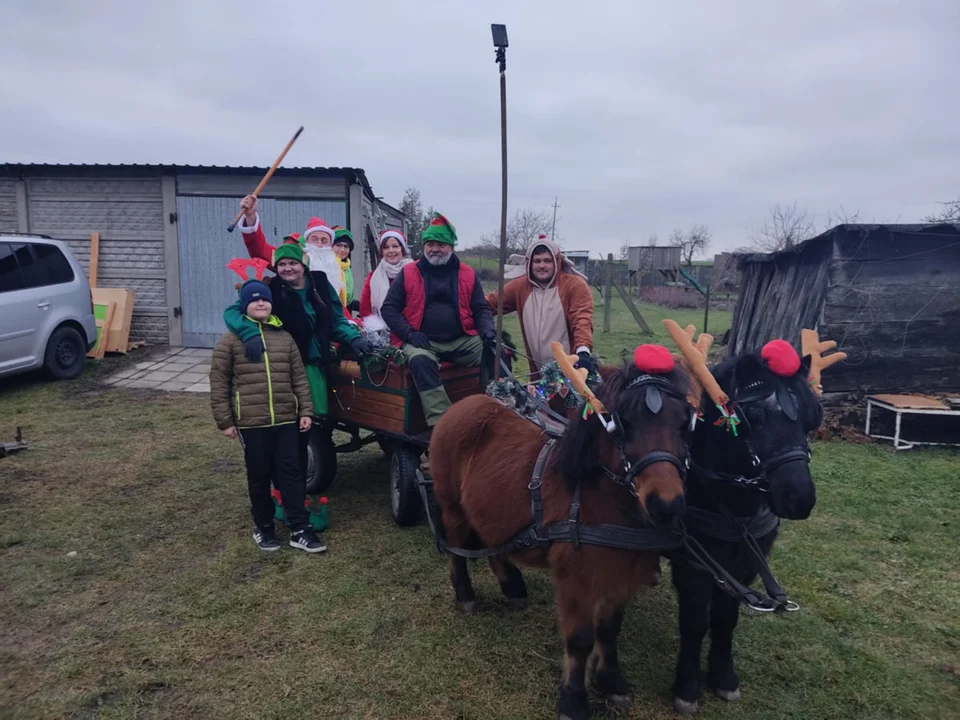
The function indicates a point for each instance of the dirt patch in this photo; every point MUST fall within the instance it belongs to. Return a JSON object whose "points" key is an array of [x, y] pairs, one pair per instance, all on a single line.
{"points": [[842, 424]]}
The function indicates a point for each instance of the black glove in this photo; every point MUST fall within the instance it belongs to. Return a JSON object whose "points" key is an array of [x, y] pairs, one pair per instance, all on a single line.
{"points": [[361, 346], [253, 349], [489, 338], [419, 340], [586, 361]]}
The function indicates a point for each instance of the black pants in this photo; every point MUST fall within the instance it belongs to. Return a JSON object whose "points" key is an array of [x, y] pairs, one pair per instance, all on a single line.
{"points": [[273, 453]]}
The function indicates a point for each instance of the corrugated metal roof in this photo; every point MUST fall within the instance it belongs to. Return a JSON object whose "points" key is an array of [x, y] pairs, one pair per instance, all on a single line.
{"points": [[20, 168]]}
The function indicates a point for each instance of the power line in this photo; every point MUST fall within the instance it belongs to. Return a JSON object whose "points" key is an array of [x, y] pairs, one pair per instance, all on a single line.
{"points": [[553, 227]]}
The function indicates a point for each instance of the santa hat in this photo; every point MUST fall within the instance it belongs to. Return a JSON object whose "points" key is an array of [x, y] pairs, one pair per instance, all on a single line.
{"points": [[315, 224], [396, 235]]}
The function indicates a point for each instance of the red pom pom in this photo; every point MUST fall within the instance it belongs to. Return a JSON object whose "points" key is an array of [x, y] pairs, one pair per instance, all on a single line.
{"points": [[653, 359], [781, 358], [323, 501]]}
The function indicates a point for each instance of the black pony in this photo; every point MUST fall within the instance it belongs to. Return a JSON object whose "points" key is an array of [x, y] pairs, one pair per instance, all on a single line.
{"points": [[748, 480]]}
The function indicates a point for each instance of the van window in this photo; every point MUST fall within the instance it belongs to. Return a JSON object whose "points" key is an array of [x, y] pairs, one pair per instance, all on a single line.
{"points": [[54, 267], [42, 265], [10, 277]]}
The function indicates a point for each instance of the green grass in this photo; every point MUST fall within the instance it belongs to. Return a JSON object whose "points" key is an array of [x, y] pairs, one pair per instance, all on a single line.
{"points": [[168, 610]]}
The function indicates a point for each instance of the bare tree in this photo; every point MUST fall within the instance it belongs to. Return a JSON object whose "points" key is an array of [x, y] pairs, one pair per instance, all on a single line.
{"points": [[653, 240], [950, 213], [841, 217], [522, 230], [787, 226], [694, 241], [625, 249]]}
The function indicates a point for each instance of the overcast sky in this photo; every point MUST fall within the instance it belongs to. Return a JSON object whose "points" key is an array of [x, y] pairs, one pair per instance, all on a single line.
{"points": [[639, 116]]}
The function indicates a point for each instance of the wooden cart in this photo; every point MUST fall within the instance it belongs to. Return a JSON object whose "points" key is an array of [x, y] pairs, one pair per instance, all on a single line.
{"points": [[386, 405]]}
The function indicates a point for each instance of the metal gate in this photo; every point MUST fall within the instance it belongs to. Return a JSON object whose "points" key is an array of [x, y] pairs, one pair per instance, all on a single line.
{"points": [[207, 287]]}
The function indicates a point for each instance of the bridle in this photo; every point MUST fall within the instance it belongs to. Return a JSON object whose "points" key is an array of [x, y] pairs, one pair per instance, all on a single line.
{"points": [[655, 387], [759, 480]]}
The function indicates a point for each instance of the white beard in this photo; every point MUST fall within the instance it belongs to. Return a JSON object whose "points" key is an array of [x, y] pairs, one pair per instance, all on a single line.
{"points": [[322, 258]]}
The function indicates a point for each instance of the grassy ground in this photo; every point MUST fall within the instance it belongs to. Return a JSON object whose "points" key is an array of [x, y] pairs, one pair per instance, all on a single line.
{"points": [[131, 588]]}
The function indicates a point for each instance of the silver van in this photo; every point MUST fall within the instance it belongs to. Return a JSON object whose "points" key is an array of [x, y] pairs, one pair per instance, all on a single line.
{"points": [[46, 307]]}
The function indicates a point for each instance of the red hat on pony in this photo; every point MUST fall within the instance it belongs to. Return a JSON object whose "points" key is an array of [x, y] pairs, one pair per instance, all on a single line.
{"points": [[781, 358], [653, 359]]}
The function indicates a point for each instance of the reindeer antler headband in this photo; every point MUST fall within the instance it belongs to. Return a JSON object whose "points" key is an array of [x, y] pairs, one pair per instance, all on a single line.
{"points": [[811, 345], [695, 361], [578, 378], [241, 265]]}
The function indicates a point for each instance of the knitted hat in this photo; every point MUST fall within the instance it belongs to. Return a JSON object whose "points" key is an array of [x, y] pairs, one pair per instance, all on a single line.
{"points": [[253, 290], [396, 235], [440, 230], [342, 235], [315, 224], [292, 251]]}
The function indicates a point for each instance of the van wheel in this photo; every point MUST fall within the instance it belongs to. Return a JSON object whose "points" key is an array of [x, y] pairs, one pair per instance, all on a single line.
{"points": [[66, 353]]}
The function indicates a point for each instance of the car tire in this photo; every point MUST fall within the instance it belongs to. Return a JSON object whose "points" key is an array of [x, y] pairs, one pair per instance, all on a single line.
{"points": [[66, 353]]}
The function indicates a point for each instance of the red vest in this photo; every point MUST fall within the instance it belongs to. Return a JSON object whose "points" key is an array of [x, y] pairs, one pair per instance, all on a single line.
{"points": [[417, 298]]}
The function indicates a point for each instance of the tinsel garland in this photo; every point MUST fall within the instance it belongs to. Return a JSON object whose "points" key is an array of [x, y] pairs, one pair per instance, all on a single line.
{"points": [[552, 383]]}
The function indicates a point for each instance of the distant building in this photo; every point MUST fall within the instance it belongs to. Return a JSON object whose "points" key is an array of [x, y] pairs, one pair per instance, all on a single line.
{"points": [[163, 229]]}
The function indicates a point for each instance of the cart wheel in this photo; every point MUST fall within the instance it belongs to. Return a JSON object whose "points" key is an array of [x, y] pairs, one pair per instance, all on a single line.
{"points": [[405, 500], [321, 461]]}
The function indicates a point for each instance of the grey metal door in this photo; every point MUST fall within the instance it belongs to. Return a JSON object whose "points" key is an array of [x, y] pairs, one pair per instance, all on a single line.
{"points": [[205, 248]]}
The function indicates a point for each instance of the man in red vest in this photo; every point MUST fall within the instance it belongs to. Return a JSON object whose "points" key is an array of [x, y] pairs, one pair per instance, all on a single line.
{"points": [[436, 311]]}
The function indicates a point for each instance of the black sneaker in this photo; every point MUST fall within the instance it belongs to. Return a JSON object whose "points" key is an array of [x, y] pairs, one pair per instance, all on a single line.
{"points": [[308, 541], [265, 538]]}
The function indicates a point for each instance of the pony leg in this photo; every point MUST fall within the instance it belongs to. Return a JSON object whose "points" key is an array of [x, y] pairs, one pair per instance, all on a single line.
{"points": [[577, 627], [608, 680], [694, 591], [721, 676], [462, 587], [511, 581]]}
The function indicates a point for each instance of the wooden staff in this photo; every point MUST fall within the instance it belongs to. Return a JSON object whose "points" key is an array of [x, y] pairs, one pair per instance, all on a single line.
{"points": [[266, 177]]}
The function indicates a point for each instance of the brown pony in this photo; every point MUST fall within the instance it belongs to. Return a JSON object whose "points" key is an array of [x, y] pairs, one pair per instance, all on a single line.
{"points": [[482, 458]]}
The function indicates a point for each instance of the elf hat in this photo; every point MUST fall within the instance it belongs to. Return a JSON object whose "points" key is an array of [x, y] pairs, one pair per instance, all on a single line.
{"points": [[293, 237], [315, 224], [342, 235], [291, 251], [253, 290], [440, 230], [396, 235]]}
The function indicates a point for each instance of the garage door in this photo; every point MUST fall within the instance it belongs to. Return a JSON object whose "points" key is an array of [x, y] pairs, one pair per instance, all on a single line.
{"points": [[206, 285]]}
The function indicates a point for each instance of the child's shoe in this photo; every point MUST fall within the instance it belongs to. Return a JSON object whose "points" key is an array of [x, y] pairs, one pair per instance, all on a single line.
{"points": [[265, 538], [308, 541]]}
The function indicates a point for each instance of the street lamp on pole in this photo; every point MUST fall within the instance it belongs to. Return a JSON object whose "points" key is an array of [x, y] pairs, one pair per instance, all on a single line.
{"points": [[500, 43]]}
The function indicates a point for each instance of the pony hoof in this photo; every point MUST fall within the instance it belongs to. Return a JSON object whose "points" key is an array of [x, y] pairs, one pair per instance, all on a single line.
{"points": [[685, 707], [728, 695], [518, 603], [469, 608], [621, 702]]}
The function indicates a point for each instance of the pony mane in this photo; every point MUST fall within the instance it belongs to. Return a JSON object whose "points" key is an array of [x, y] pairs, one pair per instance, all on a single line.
{"points": [[577, 457]]}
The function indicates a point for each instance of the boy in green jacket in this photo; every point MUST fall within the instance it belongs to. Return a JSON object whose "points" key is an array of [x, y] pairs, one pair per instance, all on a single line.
{"points": [[265, 402]]}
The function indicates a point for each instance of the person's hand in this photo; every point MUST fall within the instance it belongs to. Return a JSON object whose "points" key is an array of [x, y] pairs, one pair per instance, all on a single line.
{"points": [[305, 423], [253, 349], [249, 208], [489, 338], [586, 361], [361, 346], [419, 340], [231, 432]]}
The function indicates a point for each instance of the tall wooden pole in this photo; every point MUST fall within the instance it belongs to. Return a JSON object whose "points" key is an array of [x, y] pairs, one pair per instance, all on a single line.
{"points": [[607, 288], [502, 59]]}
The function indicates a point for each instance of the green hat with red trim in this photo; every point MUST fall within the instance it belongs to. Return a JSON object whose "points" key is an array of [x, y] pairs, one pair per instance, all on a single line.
{"points": [[440, 230], [342, 235], [290, 251]]}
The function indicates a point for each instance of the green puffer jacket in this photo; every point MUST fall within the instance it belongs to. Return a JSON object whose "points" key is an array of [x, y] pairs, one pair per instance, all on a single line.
{"points": [[247, 394]]}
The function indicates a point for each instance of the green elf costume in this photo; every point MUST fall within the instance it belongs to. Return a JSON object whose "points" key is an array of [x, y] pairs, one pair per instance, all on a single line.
{"points": [[312, 314], [342, 236]]}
